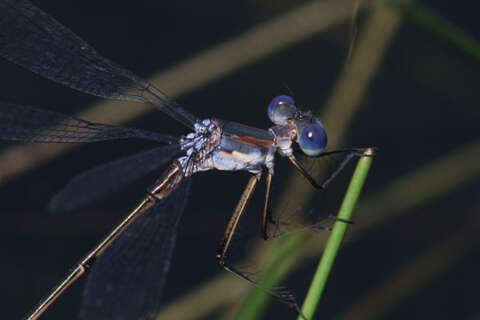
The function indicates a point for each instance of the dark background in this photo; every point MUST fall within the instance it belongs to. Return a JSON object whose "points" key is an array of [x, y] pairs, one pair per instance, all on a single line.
{"points": [[420, 107]]}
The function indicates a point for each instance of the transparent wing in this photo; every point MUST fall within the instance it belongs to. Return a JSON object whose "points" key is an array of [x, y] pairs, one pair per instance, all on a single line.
{"points": [[126, 282], [22, 123], [33, 39], [319, 206], [96, 182]]}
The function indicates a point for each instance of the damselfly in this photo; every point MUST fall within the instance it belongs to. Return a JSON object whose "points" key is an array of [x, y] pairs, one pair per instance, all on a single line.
{"points": [[32, 39]]}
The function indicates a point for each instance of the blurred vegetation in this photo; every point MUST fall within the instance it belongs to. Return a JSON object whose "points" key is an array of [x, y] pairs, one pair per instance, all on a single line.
{"points": [[407, 192]]}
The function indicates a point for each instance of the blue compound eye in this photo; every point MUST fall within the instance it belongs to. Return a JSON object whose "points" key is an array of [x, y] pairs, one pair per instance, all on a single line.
{"points": [[281, 108], [312, 139]]}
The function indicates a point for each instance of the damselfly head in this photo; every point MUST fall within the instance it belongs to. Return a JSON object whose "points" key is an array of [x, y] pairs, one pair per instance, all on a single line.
{"points": [[310, 134]]}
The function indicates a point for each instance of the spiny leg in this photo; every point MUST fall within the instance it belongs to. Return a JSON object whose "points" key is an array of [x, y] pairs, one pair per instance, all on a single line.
{"points": [[353, 152], [283, 296], [267, 215], [232, 224], [268, 219]]}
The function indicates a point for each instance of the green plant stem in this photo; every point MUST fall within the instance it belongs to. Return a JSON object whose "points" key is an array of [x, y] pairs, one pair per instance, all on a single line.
{"points": [[286, 254], [430, 20], [336, 236]]}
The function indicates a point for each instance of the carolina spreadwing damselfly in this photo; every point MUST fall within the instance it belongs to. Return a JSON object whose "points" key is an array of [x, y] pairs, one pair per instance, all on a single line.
{"points": [[32, 39]]}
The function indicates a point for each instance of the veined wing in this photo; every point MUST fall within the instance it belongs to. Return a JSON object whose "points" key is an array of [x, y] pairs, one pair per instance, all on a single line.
{"points": [[127, 280], [22, 123], [111, 176], [31, 38], [326, 169]]}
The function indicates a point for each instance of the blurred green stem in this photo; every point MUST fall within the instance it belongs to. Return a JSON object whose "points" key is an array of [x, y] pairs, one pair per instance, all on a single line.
{"points": [[279, 266], [336, 236], [430, 20]]}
